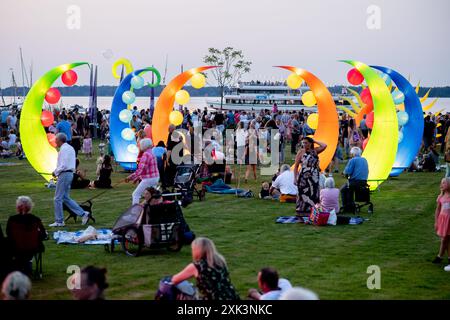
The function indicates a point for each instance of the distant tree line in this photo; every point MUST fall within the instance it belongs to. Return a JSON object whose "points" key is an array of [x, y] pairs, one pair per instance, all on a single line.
{"points": [[108, 91]]}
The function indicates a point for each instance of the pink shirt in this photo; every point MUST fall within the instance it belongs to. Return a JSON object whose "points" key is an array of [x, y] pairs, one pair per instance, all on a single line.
{"points": [[329, 199]]}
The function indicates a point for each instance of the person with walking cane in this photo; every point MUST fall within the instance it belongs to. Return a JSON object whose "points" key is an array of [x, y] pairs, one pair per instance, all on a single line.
{"points": [[64, 172]]}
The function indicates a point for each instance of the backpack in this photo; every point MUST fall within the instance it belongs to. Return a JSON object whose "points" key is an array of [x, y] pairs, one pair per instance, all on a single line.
{"points": [[169, 292]]}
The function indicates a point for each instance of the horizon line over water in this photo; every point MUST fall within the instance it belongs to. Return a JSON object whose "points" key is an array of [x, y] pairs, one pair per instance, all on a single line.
{"points": [[104, 103]]}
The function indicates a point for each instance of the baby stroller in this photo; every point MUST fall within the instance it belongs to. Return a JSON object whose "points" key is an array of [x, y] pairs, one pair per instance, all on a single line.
{"points": [[155, 226], [185, 181]]}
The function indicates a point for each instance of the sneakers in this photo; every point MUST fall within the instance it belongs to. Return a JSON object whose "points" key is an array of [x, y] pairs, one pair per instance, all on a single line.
{"points": [[57, 224], [85, 218], [437, 260], [447, 268]]}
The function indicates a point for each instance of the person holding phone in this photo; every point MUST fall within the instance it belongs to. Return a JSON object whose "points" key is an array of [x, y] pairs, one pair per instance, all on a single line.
{"points": [[307, 179]]}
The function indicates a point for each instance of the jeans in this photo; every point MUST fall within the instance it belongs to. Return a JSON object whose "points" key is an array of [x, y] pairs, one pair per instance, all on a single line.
{"points": [[145, 183], [62, 197], [447, 169]]}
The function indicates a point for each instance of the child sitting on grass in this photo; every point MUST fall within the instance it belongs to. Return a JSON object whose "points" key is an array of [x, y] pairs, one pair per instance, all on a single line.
{"points": [[265, 191], [442, 221]]}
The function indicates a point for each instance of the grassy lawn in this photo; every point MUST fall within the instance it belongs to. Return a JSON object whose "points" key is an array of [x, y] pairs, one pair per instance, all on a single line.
{"points": [[332, 261]]}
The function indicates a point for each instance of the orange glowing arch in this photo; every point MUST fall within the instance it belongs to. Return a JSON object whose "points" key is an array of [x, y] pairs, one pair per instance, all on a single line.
{"points": [[164, 105], [328, 128]]}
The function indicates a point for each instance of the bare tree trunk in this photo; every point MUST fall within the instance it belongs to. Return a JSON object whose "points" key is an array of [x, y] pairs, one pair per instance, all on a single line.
{"points": [[221, 97]]}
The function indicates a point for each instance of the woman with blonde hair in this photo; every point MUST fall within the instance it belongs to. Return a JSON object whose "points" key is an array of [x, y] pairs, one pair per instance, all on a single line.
{"points": [[442, 220], [210, 270]]}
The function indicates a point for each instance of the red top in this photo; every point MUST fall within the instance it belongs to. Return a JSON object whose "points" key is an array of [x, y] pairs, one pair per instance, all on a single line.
{"points": [[147, 168]]}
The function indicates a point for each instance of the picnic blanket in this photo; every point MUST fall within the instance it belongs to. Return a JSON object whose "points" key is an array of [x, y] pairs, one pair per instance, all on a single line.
{"points": [[94, 236], [221, 188], [295, 219]]}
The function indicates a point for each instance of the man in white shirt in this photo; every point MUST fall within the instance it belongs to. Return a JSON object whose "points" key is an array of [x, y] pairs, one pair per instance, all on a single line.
{"points": [[64, 171], [270, 284], [284, 183]]}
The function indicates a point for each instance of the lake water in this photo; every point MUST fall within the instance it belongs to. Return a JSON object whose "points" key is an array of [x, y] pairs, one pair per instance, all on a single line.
{"points": [[104, 103]]}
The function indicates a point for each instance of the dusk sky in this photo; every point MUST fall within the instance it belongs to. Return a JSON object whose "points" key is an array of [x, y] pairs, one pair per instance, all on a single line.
{"points": [[413, 37]]}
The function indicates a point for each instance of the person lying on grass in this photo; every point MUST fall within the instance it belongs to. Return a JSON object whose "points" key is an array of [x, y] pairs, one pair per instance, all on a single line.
{"points": [[210, 270]]}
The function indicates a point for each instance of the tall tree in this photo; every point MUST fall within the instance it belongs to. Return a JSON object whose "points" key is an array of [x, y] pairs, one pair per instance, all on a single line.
{"points": [[232, 65]]}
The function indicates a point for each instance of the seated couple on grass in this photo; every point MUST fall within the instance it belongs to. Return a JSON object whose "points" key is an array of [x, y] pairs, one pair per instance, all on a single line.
{"points": [[283, 187]]}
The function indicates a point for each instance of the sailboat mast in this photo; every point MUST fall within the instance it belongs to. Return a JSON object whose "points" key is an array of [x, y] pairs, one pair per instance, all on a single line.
{"points": [[24, 73], [165, 69], [14, 85]]}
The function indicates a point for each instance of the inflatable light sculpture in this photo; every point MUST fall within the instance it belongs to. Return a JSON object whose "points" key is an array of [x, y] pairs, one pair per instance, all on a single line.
{"points": [[328, 124], [164, 105], [381, 149], [35, 141], [412, 130], [122, 137]]}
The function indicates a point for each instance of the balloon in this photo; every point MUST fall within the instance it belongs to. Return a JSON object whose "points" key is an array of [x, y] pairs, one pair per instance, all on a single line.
{"points": [[398, 96], [107, 54], [355, 77], [313, 120], [366, 97], [366, 140], [182, 97], [125, 115], [128, 97], [309, 99], [69, 78], [294, 81], [137, 82], [127, 134], [176, 118], [400, 137], [51, 139], [402, 117], [132, 148], [47, 118], [369, 120], [52, 96], [198, 81]]}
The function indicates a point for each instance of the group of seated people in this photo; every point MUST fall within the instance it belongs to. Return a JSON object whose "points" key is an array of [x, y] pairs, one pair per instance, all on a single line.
{"points": [[103, 172], [284, 189]]}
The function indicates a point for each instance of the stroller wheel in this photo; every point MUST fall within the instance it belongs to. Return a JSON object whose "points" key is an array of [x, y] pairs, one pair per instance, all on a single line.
{"points": [[131, 242], [175, 247]]}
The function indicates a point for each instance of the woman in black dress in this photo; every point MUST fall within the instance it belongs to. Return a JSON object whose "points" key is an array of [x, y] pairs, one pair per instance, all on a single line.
{"points": [[104, 171], [210, 270], [307, 179], [76, 139]]}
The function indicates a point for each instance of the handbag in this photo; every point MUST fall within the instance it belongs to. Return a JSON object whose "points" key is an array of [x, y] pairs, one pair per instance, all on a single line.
{"points": [[318, 216]]}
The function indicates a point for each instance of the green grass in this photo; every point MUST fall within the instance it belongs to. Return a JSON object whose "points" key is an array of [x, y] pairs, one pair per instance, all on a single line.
{"points": [[332, 261]]}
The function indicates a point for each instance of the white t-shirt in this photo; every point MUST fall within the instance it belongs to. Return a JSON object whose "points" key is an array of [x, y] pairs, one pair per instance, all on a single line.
{"points": [[283, 284], [241, 135], [12, 139], [285, 183]]}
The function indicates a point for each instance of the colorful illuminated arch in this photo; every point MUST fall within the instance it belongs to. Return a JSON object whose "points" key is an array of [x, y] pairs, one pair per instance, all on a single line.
{"points": [[381, 149], [413, 130], [41, 155], [164, 105], [328, 128], [125, 150]]}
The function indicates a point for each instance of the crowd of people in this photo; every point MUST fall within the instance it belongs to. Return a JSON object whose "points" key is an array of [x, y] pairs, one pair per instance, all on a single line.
{"points": [[157, 162]]}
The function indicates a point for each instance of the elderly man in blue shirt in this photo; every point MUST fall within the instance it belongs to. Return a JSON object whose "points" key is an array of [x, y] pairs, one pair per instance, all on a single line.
{"points": [[357, 172]]}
